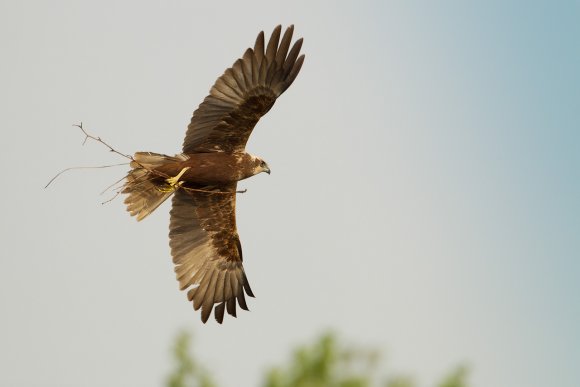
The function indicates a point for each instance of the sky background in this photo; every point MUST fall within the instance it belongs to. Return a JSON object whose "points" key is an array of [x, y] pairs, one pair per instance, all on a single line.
{"points": [[424, 196]]}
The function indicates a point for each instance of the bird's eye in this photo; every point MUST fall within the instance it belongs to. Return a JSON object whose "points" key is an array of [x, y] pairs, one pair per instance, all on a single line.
{"points": [[263, 164]]}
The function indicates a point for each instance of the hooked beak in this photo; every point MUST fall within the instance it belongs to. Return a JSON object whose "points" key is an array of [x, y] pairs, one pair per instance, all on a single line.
{"points": [[267, 170]]}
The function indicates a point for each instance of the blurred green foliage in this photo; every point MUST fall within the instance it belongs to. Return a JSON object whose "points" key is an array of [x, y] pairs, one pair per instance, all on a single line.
{"points": [[458, 378], [187, 372], [324, 363]]}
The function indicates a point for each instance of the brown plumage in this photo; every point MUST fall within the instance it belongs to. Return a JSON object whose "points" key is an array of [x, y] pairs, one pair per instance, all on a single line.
{"points": [[204, 241]]}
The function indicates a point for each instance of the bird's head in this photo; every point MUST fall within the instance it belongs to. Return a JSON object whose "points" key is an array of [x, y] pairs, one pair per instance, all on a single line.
{"points": [[260, 166]]}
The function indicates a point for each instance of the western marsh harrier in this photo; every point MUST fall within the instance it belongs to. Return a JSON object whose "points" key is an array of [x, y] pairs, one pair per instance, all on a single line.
{"points": [[203, 237]]}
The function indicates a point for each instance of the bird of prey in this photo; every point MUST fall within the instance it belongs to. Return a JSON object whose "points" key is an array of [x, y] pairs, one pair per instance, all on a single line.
{"points": [[204, 241]]}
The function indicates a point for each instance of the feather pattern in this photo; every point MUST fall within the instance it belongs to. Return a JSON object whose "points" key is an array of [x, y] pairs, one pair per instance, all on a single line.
{"points": [[207, 252], [244, 93]]}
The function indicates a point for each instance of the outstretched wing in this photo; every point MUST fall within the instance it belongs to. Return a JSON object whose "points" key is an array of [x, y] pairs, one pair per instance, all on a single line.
{"points": [[207, 252], [243, 94]]}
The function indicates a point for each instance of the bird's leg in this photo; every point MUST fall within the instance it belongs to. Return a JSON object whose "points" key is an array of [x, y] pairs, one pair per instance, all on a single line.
{"points": [[174, 181]]}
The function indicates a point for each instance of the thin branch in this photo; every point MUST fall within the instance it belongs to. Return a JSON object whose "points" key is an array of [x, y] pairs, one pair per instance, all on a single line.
{"points": [[113, 198], [91, 167], [98, 139], [113, 185], [111, 149], [187, 189]]}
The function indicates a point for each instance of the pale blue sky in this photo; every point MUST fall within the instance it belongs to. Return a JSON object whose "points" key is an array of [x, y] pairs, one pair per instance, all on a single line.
{"points": [[424, 194]]}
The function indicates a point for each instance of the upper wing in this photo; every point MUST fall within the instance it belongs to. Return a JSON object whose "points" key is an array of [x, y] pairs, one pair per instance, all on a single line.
{"points": [[207, 252], [243, 94]]}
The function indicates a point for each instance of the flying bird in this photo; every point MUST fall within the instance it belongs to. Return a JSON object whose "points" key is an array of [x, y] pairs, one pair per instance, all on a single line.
{"points": [[204, 241]]}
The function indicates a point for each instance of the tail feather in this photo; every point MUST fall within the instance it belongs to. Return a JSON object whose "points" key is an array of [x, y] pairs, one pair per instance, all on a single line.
{"points": [[142, 186]]}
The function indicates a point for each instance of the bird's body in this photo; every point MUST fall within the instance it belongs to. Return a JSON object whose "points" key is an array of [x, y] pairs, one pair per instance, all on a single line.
{"points": [[204, 241], [216, 169]]}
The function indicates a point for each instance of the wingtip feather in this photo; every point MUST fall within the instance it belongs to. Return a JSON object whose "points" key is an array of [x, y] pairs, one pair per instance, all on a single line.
{"points": [[273, 44], [219, 312], [259, 46]]}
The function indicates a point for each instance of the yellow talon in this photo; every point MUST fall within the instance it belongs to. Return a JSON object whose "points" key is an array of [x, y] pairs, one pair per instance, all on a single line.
{"points": [[174, 181]]}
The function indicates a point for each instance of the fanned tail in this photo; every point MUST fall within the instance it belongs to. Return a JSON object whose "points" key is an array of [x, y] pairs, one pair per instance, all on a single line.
{"points": [[143, 187]]}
